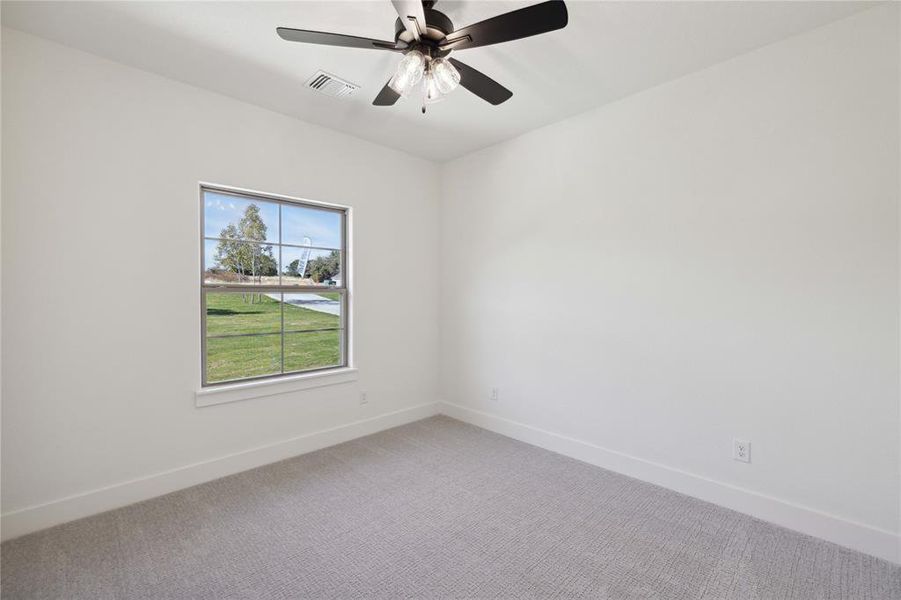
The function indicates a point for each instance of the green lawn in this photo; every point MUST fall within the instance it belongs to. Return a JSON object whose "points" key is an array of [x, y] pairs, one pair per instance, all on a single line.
{"points": [[256, 355]]}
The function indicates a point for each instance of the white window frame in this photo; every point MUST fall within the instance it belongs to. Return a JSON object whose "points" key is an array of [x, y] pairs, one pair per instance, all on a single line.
{"points": [[238, 389]]}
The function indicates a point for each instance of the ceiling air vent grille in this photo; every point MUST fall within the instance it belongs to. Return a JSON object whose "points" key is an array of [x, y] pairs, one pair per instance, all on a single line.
{"points": [[328, 84]]}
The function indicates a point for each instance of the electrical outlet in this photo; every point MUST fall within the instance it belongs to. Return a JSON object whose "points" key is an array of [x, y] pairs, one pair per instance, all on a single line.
{"points": [[741, 450], [494, 394], [363, 398]]}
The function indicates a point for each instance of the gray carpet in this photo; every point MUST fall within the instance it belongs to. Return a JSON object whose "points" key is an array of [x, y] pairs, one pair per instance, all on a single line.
{"points": [[435, 509]]}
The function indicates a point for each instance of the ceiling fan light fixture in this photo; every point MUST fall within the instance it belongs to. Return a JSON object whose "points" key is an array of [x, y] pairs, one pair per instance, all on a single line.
{"points": [[446, 76], [431, 89], [409, 72]]}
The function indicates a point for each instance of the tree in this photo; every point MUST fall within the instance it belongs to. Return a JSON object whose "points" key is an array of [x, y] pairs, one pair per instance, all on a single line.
{"points": [[322, 268], [251, 227], [228, 251], [292, 268], [235, 254], [268, 266]]}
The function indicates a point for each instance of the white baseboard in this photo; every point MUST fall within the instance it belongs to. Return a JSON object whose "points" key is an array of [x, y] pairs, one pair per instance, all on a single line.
{"points": [[870, 540], [877, 542], [33, 518]]}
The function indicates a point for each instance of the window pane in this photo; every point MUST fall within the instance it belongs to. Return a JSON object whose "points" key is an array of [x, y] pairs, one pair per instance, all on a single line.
{"points": [[322, 228], [313, 311], [243, 356], [314, 350], [303, 266], [230, 313], [228, 216], [227, 261]]}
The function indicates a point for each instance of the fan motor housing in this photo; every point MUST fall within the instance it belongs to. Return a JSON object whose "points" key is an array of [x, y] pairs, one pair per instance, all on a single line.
{"points": [[437, 23]]}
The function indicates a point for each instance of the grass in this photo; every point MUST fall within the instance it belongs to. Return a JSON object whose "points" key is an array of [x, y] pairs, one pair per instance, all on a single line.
{"points": [[260, 354]]}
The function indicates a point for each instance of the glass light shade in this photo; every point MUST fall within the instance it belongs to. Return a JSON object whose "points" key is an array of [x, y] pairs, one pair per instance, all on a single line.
{"points": [[408, 73], [445, 74], [430, 88]]}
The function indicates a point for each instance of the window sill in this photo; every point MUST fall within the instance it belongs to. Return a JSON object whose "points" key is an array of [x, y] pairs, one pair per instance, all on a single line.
{"points": [[233, 392]]}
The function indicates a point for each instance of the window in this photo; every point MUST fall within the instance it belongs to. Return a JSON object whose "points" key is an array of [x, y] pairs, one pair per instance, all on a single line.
{"points": [[274, 289]]}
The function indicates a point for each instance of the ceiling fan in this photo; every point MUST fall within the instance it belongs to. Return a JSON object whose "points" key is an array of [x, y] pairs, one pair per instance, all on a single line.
{"points": [[426, 37]]}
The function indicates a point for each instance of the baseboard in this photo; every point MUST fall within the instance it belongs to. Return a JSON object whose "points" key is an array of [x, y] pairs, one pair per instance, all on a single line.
{"points": [[33, 518], [857, 536], [877, 542]]}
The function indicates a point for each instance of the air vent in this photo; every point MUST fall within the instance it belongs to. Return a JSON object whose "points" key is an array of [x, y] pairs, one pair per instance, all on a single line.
{"points": [[328, 84]]}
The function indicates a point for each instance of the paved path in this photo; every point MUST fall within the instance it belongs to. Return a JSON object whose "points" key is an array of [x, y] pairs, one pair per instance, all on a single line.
{"points": [[312, 302]]}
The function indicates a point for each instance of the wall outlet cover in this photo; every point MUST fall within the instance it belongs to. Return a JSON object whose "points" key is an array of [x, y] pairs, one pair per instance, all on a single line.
{"points": [[741, 450]]}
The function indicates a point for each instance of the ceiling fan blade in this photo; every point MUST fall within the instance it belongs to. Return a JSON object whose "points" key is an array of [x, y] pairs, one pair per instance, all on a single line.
{"points": [[411, 15], [386, 97], [335, 39], [525, 22], [480, 84]]}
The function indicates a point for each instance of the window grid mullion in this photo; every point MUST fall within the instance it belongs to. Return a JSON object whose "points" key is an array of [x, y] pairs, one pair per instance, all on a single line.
{"points": [[288, 289], [265, 243], [279, 267], [282, 297], [283, 331], [271, 333]]}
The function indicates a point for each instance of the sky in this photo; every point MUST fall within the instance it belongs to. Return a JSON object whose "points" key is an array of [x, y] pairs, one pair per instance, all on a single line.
{"points": [[323, 227]]}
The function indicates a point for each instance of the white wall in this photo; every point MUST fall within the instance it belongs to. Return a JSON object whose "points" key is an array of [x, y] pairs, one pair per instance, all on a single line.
{"points": [[101, 323], [713, 258]]}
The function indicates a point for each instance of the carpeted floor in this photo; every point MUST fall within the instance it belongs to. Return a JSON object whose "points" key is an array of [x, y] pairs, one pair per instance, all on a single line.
{"points": [[434, 509]]}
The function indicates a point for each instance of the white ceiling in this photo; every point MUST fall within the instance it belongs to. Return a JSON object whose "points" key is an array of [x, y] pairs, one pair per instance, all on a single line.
{"points": [[609, 50]]}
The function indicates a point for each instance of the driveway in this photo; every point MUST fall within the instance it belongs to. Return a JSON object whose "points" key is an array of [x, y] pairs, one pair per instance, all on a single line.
{"points": [[312, 302]]}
